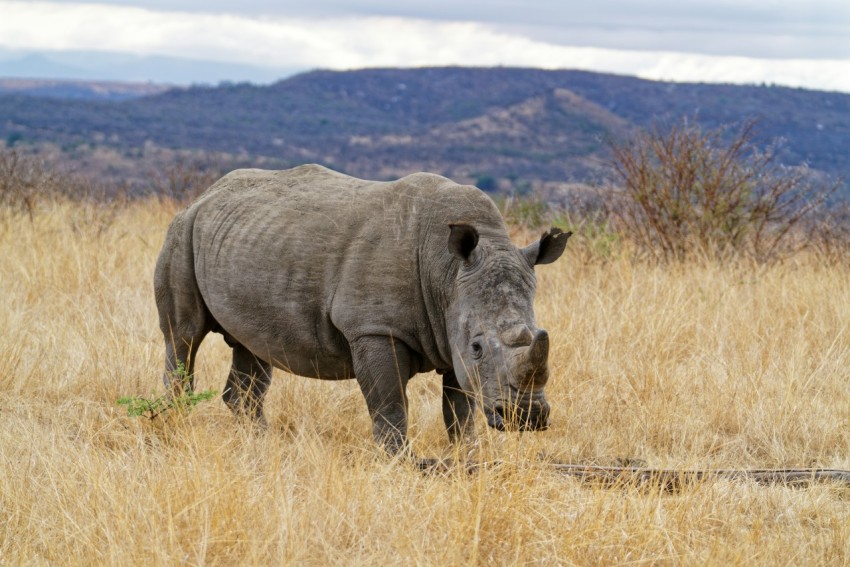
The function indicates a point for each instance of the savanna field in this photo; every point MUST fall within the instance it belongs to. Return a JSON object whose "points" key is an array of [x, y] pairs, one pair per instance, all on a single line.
{"points": [[695, 364]]}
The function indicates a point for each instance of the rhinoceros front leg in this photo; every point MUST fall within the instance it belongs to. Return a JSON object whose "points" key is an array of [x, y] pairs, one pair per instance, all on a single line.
{"points": [[247, 384], [382, 368], [458, 410]]}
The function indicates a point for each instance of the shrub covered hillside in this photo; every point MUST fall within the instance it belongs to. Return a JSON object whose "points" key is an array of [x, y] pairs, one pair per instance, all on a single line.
{"points": [[718, 357], [517, 126]]}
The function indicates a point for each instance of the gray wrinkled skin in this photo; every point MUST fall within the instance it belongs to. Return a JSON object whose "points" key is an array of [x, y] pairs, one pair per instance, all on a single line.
{"points": [[332, 277]]}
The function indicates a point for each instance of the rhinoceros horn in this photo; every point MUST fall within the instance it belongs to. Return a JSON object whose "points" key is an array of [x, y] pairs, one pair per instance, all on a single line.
{"points": [[538, 352]]}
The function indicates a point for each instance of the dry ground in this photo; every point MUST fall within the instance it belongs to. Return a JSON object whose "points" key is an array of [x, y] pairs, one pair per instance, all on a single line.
{"points": [[692, 366]]}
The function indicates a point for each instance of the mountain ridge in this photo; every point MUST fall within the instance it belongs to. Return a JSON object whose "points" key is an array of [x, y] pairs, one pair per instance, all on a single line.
{"points": [[516, 124]]}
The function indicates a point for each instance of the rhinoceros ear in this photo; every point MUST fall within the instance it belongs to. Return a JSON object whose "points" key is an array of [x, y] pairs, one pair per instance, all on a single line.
{"points": [[548, 249], [463, 239]]}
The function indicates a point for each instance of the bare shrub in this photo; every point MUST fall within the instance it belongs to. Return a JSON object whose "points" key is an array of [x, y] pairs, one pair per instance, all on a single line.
{"points": [[828, 234], [185, 178], [29, 179], [24, 180], [687, 192]]}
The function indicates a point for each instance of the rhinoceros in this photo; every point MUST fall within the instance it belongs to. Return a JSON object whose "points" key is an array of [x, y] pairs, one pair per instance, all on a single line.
{"points": [[328, 276]]}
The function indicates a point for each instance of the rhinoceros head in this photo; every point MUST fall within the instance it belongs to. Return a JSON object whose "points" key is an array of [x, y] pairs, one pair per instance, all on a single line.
{"points": [[499, 354]]}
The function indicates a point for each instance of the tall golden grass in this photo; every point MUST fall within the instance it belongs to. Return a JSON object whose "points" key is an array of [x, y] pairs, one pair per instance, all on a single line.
{"points": [[687, 366]]}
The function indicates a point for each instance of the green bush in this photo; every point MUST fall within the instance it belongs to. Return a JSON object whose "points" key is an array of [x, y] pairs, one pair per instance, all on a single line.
{"points": [[486, 183], [529, 211], [185, 400], [593, 234]]}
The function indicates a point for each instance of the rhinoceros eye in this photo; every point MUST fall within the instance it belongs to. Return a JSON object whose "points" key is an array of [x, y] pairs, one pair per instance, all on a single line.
{"points": [[477, 351]]}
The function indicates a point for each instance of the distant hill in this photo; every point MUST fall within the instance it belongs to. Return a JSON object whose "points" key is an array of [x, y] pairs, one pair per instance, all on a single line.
{"points": [[84, 90], [518, 125]]}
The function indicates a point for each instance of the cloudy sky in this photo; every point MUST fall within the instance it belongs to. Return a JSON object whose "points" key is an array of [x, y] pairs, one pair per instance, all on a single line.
{"points": [[795, 43]]}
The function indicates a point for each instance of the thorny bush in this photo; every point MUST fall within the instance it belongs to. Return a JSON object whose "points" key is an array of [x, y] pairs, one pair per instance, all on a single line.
{"points": [[685, 192]]}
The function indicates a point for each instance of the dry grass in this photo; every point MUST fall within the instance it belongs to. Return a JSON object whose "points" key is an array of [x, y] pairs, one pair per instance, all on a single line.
{"points": [[693, 366]]}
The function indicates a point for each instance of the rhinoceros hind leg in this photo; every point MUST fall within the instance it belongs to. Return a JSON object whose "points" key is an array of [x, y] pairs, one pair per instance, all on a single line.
{"points": [[183, 317], [179, 375], [184, 322], [247, 384]]}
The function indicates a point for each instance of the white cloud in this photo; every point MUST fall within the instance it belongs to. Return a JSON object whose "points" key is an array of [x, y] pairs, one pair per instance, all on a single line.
{"points": [[354, 42]]}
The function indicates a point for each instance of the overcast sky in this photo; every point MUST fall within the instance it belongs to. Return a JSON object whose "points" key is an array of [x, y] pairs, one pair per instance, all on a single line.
{"points": [[796, 43]]}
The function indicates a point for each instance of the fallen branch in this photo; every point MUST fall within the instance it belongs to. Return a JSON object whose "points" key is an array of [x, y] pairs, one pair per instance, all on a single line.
{"points": [[671, 479]]}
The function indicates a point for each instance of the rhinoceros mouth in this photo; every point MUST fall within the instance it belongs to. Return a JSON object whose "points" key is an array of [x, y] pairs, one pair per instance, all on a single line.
{"points": [[534, 417]]}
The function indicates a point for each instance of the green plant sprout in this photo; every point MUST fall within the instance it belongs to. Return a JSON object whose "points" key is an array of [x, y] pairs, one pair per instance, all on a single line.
{"points": [[138, 406]]}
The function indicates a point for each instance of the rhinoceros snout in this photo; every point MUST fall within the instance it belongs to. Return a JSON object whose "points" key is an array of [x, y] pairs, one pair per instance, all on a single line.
{"points": [[533, 416]]}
